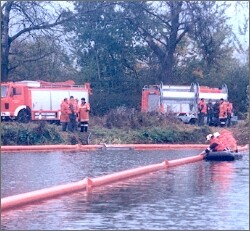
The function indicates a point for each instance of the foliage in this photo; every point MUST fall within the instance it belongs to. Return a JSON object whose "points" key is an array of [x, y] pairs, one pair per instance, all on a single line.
{"points": [[241, 132], [173, 136], [123, 117], [120, 46], [119, 127], [106, 98], [24, 20], [175, 31], [44, 55], [29, 134]]}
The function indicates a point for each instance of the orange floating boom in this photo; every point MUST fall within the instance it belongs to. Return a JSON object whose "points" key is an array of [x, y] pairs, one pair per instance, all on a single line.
{"points": [[186, 160], [127, 174], [38, 195], [93, 147], [25, 198], [78, 147]]}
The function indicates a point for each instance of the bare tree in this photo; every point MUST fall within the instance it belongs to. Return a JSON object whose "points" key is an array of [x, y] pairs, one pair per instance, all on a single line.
{"points": [[23, 20]]}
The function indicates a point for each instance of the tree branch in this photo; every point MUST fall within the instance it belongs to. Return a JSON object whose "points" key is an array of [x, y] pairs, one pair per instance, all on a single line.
{"points": [[39, 27], [30, 60]]}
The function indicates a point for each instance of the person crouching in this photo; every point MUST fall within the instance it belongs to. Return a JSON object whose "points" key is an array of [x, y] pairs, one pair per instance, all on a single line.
{"points": [[215, 144]]}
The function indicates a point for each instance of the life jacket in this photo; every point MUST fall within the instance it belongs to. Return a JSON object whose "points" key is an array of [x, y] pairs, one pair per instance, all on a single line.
{"points": [[216, 145], [73, 107], [223, 110], [64, 117], [84, 112], [202, 107], [228, 139]]}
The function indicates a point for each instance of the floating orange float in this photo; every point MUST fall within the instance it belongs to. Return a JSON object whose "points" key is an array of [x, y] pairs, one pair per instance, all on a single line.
{"points": [[38, 195]]}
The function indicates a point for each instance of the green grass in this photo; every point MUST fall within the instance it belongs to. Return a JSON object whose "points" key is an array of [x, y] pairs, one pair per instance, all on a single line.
{"points": [[121, 126]]}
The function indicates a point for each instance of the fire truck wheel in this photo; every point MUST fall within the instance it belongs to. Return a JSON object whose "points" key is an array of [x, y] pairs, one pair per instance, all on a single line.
{"points": [[24, 116]]}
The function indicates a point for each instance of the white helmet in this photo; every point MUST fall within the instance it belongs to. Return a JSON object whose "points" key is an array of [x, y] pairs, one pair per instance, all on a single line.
{"points": [[216, 134], [209, 136]]}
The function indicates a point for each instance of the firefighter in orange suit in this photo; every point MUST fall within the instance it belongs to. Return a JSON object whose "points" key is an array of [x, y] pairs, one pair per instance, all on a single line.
{"points": [[229, 113], [227, 137], [216, 145], [64, 117], [72, 114], [202, 110], [84, 110], [223, 112]]}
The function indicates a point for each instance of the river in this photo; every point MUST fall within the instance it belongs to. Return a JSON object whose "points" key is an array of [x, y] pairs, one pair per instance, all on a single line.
{"points": [[196, 196]]}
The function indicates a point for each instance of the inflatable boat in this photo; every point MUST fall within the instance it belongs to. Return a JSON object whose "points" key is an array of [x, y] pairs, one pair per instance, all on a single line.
{"points": [[223, 156]]}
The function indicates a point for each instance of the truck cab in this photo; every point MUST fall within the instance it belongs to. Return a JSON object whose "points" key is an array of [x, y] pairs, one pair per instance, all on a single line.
{"points": [[13, 106]]}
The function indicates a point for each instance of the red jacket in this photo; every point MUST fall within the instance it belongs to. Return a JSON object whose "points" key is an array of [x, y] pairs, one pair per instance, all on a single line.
{"points": [[64, 111], [227, 138], [84, 112], [202, 106], [216, 144], [73, 107], [223, 110]]}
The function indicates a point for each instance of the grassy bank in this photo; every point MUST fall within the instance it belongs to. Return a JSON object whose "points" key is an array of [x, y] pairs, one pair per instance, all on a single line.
{"points": [[121, 126]]}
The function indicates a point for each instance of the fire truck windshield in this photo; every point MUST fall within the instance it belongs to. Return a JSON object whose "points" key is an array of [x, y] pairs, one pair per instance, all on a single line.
{"points": [[4, 91]]}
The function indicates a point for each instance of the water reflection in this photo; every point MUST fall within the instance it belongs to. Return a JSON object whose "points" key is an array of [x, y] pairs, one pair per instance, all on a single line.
{"points": [[201, 195], [222, 175]]}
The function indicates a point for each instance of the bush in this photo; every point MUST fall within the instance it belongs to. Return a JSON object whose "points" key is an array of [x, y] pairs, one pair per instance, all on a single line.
{"points": [[29, 134], [173, 135], [123, 117]]}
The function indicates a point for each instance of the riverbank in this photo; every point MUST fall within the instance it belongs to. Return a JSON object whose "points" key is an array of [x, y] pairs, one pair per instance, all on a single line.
{"points": [[155, 131]]}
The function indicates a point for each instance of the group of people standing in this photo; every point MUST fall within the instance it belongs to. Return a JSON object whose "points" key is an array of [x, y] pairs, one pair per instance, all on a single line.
{"points": [[74, 114], [218, 114]]}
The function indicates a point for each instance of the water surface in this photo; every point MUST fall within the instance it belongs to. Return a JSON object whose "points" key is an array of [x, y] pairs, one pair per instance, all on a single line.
{"points": [[197, 196]]}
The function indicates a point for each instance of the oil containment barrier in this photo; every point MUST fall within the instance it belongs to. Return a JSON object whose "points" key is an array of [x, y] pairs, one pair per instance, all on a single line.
{"points": [[103, 146], [14, 201]]}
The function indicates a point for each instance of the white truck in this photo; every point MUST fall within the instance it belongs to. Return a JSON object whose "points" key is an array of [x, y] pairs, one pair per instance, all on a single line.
{"points": [[179, 100]]}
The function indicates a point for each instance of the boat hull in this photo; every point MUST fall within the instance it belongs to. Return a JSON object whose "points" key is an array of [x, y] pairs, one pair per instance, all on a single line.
{"points": [[222, 156]]}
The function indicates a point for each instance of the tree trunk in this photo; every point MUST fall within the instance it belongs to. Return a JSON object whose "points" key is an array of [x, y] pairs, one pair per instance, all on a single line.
{"points": [[166, 74], [5, 46]]}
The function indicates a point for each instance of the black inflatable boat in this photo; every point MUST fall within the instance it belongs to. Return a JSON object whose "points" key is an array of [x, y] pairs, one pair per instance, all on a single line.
{"points": [[223, 156]]}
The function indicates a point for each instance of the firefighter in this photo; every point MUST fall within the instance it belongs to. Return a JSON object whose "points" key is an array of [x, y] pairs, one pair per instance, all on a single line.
{"points": [[216, 112], [216, 145], [84, 110], [202, 109], [223, 112], [227, 137], [209, 112], [72, 114], [229, 113], [64, 117]]}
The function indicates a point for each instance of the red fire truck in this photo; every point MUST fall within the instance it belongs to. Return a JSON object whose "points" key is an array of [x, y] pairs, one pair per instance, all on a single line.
{"points": [[181, 101], [26, 101]]}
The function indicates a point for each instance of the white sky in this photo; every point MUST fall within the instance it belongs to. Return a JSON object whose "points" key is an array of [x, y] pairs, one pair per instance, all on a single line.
{"points": [[237, 15]]}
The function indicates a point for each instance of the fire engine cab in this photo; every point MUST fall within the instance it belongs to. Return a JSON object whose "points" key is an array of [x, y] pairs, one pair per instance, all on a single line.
{"points": [[26, 101]]}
